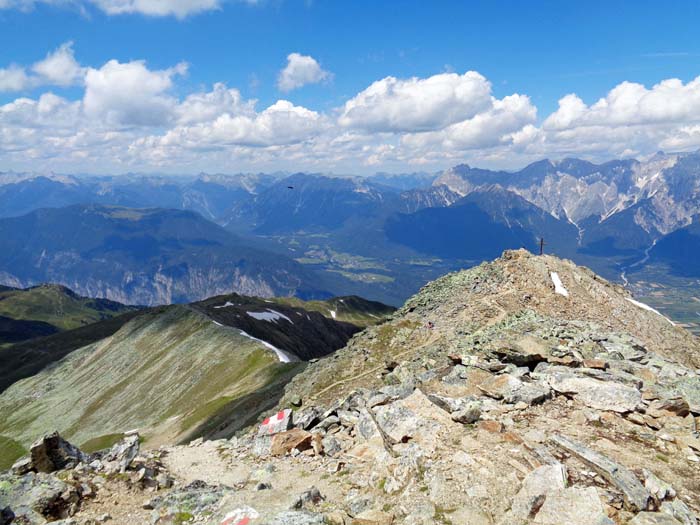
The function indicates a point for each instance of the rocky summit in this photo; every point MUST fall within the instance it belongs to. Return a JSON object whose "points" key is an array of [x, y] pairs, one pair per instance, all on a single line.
{"points": [[525, 390]]}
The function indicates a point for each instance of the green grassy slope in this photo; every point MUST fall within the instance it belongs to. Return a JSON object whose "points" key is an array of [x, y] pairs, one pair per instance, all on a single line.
{"points": [[26, 358], [57, 306], [164, 373]]}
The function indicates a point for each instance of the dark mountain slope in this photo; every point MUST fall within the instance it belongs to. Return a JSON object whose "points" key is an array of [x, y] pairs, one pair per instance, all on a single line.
{"points": [[679, 250], [480, 226], [14, 330], [305, 334], [350, 309]]}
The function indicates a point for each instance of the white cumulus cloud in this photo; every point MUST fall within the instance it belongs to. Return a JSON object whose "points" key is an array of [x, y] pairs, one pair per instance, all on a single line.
{"points": [[130, 116], [631, 119], [60, 68], [418, 104], [494, 126], [129, 94], [300, 71], [13, 78]]}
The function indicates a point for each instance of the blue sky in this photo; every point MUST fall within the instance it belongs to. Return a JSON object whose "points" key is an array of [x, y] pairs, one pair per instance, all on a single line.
{"points": [[542, 51]]}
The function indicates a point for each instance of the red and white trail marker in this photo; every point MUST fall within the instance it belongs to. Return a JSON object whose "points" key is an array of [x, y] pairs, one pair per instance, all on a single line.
{"points": [[280, 422]]}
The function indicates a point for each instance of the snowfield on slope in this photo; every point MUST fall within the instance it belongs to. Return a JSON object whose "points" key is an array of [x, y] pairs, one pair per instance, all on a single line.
{"points": [[271, 316], [225, 305], [284, 357], [648, 308], [558, 286]]}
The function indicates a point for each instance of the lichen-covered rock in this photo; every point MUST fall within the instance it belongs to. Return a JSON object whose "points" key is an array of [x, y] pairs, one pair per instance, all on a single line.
{"points": [[296, 518], [37, 498], [198, 499], [52, 453], [513, 390]]}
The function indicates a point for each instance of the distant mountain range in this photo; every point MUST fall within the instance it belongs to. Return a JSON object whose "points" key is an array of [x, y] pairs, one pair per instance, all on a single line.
{"points": [[142, 256], [212, 196], [380, 237]]}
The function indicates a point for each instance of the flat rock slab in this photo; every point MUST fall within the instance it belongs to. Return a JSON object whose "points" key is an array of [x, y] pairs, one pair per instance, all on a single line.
{"points": [[601, 395], [635, 495], [415, 418], [536, 485], [572, 506], [654, 518], [689, 388], [512, 390]]}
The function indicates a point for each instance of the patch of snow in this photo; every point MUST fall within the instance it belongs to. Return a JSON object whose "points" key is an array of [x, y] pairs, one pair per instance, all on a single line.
{"points": [[649, 309], [226, 305], [284, 357], [332, 313], [270, 316], [558, 286], [217, 323]]}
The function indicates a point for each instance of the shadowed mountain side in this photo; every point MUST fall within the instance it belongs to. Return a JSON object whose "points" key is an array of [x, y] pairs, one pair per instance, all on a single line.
{"points": [[306, 334], [480, 226]]}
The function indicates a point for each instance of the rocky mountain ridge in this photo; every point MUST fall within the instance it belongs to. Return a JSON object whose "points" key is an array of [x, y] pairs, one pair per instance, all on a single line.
{"points": [[577, 190], [525, 390]]}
